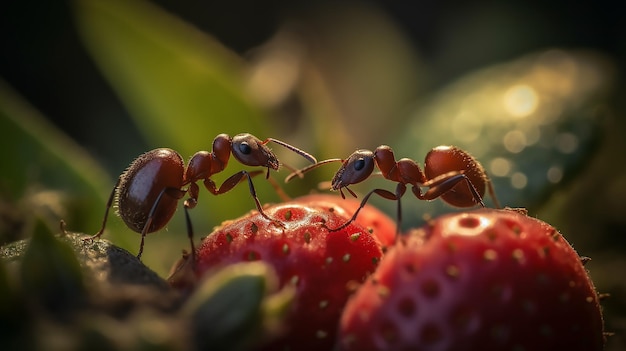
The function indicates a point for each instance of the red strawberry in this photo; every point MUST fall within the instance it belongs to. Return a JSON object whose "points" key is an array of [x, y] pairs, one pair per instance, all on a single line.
{"points": [[324, 266], [378, 223], [481, 280]]}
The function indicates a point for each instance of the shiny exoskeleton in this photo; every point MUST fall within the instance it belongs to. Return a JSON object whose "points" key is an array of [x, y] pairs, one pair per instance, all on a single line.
{"points": [[449, 173], [147, 193]]}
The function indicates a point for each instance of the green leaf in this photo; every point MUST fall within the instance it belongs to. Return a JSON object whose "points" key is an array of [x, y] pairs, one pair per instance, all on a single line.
{"points": [[103, 262], [15, 320], [51, 275], [46, 175], [181, 86], [8, 295], [232, 307], [531, 123]]}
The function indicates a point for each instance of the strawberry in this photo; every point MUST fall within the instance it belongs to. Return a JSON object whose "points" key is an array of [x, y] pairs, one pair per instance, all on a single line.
{"points": [[324, 266], [481, 280], [374, 220]]}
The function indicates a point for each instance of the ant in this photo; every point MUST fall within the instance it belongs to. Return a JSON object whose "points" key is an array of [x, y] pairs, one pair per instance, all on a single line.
{"points": [[449, 172], [147, 193]]}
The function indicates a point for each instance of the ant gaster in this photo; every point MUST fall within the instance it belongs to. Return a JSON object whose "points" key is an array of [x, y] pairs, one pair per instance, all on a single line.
{"points": [[147, 193], [449, 173]]}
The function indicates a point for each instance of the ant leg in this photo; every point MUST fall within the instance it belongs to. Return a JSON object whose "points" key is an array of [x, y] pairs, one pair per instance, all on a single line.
{"points": [[229, 183], [106, 212], [194, 191], [190, 235], [235, 179], [144, 232], [175, 193], [380, 192], [400, 190], [492, 193], [444, 183], [190, 203], [256, 198]]}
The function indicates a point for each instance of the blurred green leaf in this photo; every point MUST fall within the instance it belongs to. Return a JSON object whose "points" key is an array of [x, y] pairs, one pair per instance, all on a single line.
{"points": [[14, 318], [357, 73], [45, 175], [232, 307], [531, 123], [180, 85], [51, 276], [8, 296], [66, 287], [359, 76], [104, 263]]}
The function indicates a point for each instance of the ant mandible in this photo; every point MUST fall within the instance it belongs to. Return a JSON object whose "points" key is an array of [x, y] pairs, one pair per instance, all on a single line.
{"points": [[147, 193], [449, 172]]}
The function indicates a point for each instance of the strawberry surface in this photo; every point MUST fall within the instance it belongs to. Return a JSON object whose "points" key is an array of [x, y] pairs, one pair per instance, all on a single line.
{"points": [[481, 280], [371, 218], [323, 266]]}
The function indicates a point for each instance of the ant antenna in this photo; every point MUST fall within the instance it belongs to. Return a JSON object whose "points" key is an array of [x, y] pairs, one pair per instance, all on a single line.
{"points": [[299, 173], [302, 153], [294, 171]]}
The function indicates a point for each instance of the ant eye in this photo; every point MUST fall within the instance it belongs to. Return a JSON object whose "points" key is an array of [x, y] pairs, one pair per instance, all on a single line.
{"points": [[359, 164], [244, 148], [356, 168]]}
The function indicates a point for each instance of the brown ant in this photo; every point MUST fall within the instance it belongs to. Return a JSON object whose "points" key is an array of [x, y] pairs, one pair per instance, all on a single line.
{"points": [[449, 172], [147, 193]]}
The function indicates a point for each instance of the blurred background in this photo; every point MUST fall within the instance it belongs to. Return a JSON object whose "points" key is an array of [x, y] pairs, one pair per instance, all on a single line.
{"points": [[533, 89]]}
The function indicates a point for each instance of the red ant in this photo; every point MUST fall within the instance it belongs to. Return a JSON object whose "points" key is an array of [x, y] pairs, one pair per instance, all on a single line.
{"points": [[449, 172], [147, 193]]}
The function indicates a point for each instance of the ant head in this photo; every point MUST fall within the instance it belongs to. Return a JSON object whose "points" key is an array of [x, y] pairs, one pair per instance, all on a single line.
{"points": [[251, 151], [358, 167]]}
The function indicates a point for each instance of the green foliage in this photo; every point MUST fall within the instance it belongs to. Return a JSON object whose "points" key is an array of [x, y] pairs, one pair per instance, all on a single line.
{"points": [[66, 292], [237, 306], [51, 275], [532, 123], [45, 175], [88, 294], [181, 86]]}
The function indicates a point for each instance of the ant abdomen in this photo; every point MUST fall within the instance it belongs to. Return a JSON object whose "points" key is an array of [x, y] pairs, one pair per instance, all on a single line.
{"points": [[156, 173], [445, 159]]}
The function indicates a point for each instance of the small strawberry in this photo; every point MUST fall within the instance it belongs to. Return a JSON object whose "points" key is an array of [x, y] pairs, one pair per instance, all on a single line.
{"points": [[323, 266], [482, 280]]}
